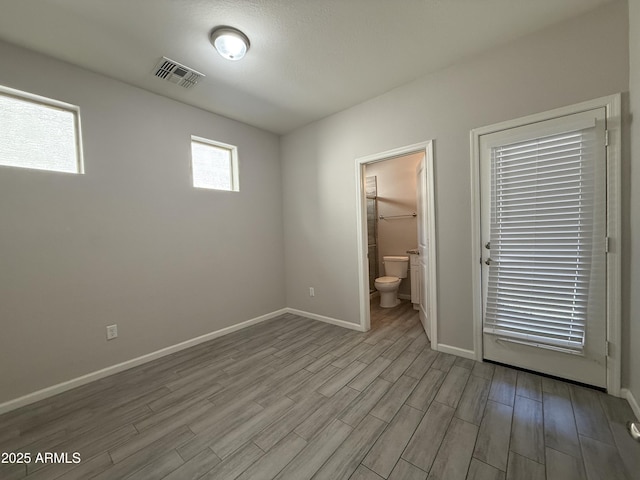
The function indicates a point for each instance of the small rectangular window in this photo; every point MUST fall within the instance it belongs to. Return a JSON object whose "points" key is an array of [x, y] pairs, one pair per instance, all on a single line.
{"points": [[214, 165], [39, 133]]}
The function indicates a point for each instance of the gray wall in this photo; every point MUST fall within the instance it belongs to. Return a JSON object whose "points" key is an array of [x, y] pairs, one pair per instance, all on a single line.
{"points": [[578, 60], [633, 374], [130, 242]]}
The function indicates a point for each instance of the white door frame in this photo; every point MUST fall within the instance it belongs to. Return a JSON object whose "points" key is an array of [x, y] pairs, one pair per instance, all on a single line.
{"points": [[613, 118], [430, 215]]}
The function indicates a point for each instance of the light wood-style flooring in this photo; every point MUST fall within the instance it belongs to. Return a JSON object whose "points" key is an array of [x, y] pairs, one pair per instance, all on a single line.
{"points": [[293, 398]]}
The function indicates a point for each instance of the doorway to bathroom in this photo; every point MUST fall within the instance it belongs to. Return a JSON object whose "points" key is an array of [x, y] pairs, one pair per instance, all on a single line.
{"points": [[396, 217]]}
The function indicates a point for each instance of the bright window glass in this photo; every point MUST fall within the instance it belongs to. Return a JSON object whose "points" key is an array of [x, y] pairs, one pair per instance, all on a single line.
{"points": [[213, 165], [39, 134]]}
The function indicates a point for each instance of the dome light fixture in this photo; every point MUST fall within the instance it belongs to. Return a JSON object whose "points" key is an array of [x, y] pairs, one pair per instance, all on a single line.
{"points": [[230, 42]]}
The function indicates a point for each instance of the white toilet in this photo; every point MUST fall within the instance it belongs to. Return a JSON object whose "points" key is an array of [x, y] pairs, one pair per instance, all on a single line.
{"points": [[395, 269]]}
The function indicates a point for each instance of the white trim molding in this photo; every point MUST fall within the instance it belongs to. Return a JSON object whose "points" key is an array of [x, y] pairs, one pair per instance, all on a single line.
{"points": [[134, 362], [611, 104], [322, 318], [633, 403], [430, 214]]}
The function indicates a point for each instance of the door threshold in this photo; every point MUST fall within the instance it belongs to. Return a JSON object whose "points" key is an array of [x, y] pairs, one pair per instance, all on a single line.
{"points": [[546, 375]]}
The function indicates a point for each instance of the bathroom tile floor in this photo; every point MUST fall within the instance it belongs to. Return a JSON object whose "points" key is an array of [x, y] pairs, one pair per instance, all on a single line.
{"points": [[293, 398]]}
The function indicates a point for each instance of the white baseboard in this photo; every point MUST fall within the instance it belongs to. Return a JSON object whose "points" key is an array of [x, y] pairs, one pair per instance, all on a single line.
{"points": [[460, 352], [322, 318], [633, 403], [105, 372]]}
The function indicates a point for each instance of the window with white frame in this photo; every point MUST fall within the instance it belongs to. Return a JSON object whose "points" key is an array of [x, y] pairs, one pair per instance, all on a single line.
{"points": [[39, 133], [214, 165]]}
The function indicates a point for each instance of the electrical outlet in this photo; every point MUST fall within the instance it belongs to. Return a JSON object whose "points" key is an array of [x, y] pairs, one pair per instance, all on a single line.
{"points": [[112, 332], [312, 292]]}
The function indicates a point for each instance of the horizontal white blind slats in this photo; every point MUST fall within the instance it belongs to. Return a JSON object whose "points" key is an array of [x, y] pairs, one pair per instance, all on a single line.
{"points": [[556, 202], [550, 160], [532, 339], [522, 230], [540, 286], [543, 276], [539, 328], [541, 246], [523, 219], [536, 293], [562, 195], [564, 189], [532, 267], [543, 197], [525, 301], [531, 186], [523, 323], [543, 317], [521, 204], [542, 333], [540, 271], [540, 144], [517, 259], [568, 161]]}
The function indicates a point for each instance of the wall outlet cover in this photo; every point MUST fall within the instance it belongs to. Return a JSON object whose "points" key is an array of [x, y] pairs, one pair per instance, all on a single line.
{"points": [[112, 332]]}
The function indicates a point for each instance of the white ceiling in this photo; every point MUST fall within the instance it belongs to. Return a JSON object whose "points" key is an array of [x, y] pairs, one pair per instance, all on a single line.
{"points": [[308, 58]]}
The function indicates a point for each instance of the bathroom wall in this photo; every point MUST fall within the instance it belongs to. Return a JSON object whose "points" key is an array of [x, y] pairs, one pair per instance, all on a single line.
{"points": [[130, 242], [396, 196]]}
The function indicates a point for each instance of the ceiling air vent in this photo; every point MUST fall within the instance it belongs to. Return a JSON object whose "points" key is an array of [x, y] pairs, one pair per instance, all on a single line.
{"points": [[177, 73]]}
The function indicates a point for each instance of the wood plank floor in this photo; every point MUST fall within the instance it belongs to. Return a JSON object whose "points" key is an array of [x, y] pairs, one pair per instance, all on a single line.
{"points": [[294, 398]]}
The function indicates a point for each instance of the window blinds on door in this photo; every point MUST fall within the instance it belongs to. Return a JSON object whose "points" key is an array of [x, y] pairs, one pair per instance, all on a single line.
{"points": [[547, 239]]}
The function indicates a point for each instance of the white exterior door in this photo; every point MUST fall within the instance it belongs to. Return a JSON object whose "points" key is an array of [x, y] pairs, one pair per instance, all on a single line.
{"points": [[543, 221]]}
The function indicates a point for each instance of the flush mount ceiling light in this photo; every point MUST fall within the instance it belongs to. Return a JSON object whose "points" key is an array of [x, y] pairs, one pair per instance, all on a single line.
{"points": [[230, 42]]}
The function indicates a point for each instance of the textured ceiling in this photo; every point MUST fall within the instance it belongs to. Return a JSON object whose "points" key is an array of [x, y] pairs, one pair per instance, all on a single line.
{"points": [[308, 58]]}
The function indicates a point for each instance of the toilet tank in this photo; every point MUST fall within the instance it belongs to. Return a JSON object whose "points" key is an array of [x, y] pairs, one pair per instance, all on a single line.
{"points": [[396, 265]]}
